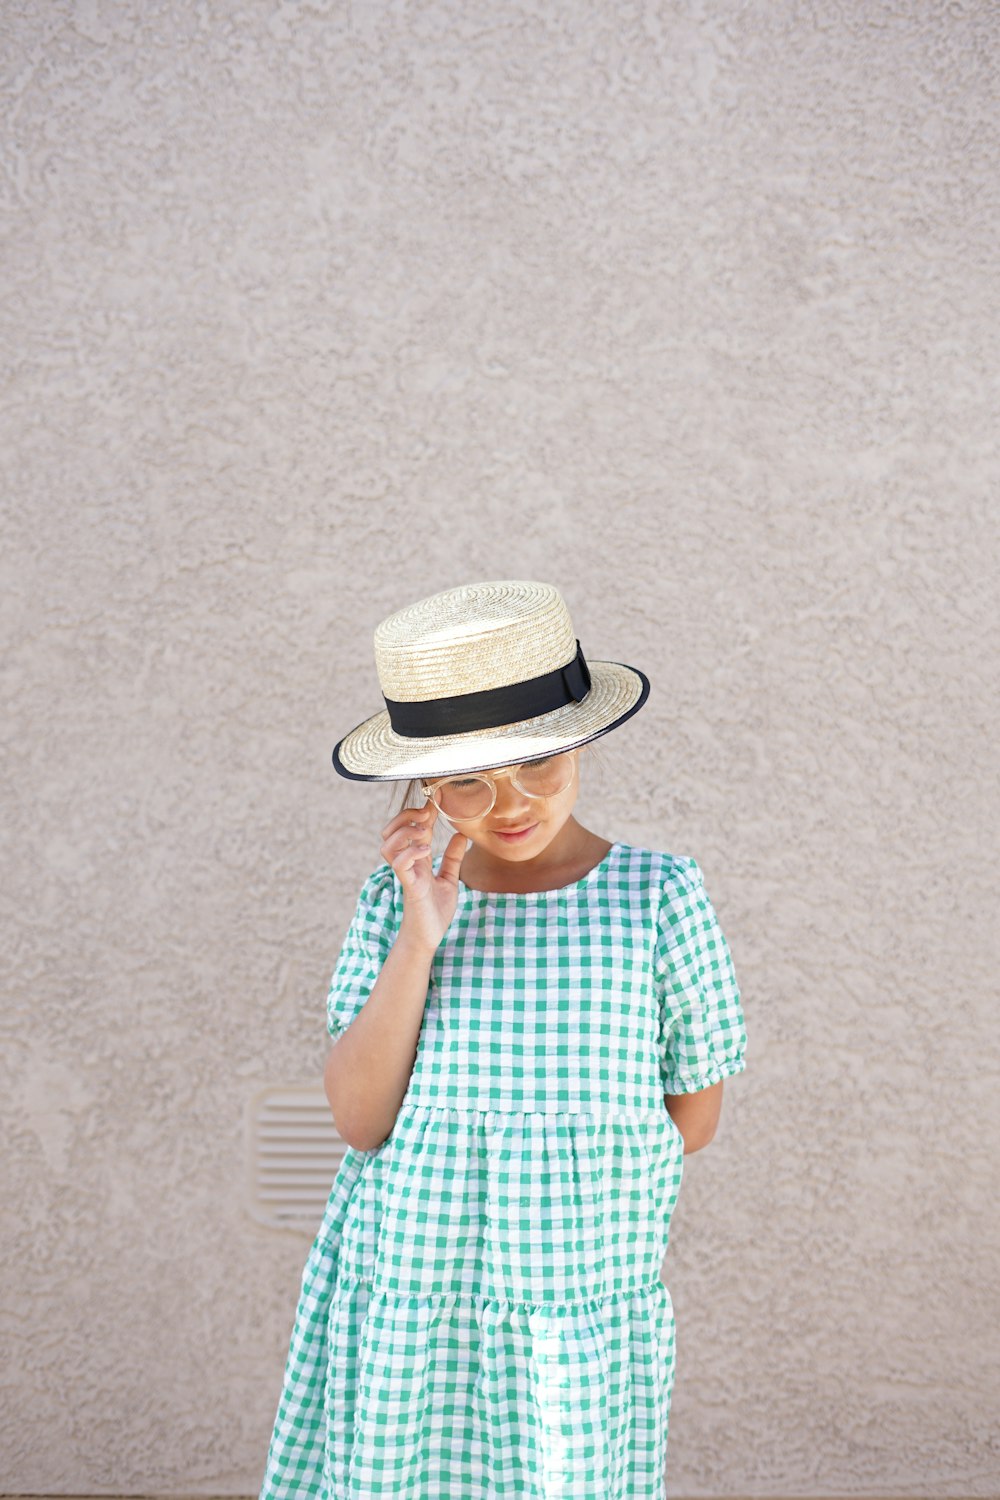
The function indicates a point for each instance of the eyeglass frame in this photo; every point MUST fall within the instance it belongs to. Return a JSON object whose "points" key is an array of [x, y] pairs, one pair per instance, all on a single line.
{"points": [[491, 781]]}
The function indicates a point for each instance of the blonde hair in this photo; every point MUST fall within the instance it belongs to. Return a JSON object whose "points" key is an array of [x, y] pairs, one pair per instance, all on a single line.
{"points": [[412, 796]]}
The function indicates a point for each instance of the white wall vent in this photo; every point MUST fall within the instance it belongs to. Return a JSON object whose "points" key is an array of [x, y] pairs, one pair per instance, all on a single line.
{"points": [[295, 1154]]}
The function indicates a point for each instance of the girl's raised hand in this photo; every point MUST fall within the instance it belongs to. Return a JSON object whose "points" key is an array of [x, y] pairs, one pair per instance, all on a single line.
{"points": [[429, 900]]}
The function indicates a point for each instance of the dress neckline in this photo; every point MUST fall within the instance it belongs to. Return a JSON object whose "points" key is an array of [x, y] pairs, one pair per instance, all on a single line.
{"points": [[559, 890]]}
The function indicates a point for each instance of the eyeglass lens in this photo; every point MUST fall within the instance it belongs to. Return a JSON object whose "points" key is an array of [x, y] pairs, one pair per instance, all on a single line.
{"points": [[469, 796]]}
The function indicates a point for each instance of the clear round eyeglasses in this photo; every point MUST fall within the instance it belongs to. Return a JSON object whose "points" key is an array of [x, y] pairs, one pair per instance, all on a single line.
{"points": [[473, 795]]}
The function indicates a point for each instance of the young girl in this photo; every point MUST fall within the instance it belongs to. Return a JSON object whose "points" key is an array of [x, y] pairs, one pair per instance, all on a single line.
{"points": [[531, 1030]]}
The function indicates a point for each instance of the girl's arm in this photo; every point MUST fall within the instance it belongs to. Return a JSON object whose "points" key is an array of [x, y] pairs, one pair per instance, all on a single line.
{"points": [[369, 1067], [696, 1115]]}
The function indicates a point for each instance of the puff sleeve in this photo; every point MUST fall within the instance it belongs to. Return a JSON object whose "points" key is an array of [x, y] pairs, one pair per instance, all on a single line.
{"points": [[702, 1028], [370, 936]]}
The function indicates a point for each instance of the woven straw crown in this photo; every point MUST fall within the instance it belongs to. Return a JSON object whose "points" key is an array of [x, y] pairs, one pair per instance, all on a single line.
{"points": [[472, 638], [481, 676]]}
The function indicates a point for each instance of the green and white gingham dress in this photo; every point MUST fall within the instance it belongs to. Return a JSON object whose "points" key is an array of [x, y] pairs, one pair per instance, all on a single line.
{"points": [[482, 1314]]}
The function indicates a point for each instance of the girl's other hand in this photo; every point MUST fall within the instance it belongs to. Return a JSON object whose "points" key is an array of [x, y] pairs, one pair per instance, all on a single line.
{"points": [[429, 900]]}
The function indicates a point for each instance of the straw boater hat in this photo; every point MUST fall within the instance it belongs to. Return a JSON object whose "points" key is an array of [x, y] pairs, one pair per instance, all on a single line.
{"points": [[480, 676]]}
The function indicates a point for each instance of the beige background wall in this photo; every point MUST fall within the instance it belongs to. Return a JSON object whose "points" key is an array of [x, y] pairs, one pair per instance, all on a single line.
{"points": [[312, 309]]}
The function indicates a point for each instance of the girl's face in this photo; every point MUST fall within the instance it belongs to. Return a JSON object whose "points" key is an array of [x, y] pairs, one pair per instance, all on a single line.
{"points": [[535, 820]]}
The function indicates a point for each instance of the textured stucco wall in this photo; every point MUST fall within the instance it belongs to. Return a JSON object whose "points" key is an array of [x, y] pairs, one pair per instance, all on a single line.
{"points": [[312, 309]]}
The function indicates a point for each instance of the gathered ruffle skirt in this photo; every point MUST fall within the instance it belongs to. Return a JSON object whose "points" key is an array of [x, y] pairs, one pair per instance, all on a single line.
{"points": [[489, 1370]]}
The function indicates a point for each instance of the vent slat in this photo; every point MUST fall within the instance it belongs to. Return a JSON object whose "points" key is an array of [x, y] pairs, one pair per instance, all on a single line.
{"points": [[295, 1116], [291, 1146], [309, 1129], [294, 1172]]}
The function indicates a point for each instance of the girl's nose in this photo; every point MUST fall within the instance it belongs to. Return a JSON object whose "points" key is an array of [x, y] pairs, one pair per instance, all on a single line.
{"points": [[509, 799]]}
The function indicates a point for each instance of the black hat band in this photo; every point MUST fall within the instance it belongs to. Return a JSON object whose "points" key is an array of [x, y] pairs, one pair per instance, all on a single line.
{"points": [[494, 707]]}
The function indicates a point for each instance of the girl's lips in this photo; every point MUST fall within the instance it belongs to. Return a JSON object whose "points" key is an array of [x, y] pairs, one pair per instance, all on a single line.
{"points": [[512, 838]]}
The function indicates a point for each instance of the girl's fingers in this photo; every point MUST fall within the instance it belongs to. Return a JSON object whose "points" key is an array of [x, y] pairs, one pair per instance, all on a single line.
{"points": [[406, 832], [408, 859], [452, 857], [407, 837], [410, 817]]}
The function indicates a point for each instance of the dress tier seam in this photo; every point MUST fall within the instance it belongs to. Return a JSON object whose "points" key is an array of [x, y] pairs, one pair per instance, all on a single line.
{"points": [[641, 1290]]}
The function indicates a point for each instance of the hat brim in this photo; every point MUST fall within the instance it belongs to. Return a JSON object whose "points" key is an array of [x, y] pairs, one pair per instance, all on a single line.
{"points": [[372, 751]]}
